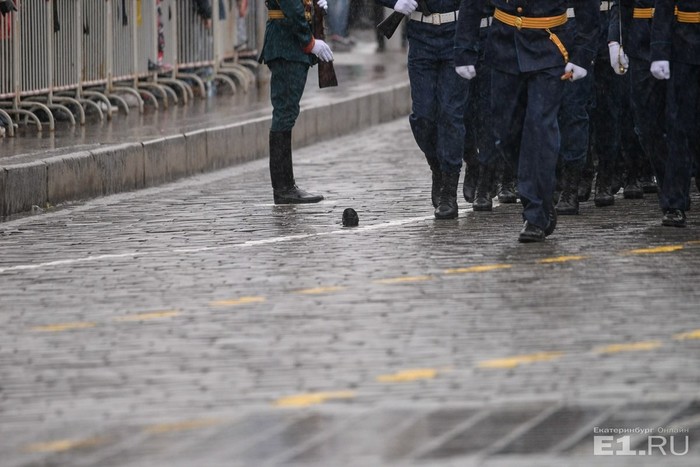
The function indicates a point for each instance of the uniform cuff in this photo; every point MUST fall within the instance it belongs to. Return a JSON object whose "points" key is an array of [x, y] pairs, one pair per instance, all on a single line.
{"points": [[309, 46]]}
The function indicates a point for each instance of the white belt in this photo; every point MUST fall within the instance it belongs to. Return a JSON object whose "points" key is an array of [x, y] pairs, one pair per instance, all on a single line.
{"points": [[486, 22], [435, 18], [604, 6]]}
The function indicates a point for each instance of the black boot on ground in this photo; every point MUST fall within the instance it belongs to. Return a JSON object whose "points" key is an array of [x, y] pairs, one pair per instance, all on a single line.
{"points": [[568, 200], [447, 204], [603, 189], [483, 199], [506, 192], [633, 189], [471, 177], [284, 189], [437, 181]]}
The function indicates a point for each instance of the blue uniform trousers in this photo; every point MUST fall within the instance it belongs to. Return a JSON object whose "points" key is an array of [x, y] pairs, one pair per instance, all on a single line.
{"points": [[438, 93], [683, 136], [573, 121], [648, 97], [477, 118], [525, 108]]}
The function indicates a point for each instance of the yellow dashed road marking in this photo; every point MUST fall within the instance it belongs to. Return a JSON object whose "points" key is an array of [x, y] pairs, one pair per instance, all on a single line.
{"points": [[688, 335], [484, 268], [182, 426], [63, 327], [630, 347], [656, 249], [512, 362], [148, 316], [560, 259], [693, 242], [320, 290], [403, 279], [62, 445], [313, 398], [238, 301], [408, 375]]}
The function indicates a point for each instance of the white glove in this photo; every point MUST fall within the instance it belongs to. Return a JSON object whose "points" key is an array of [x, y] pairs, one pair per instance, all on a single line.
{"points": [[661, 69], [323, 4], [466, 72], [406, 7], [618, 58], [322, 51], [574, 71]]}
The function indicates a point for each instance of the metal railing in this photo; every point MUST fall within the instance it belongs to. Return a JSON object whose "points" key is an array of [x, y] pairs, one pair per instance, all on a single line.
{"points": [[63, 59]]}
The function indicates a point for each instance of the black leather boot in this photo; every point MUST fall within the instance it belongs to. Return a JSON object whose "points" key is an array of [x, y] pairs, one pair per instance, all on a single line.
{"points": [[603, 188], [483, 199], [447, 204], [506, 192], [471, 176], [437, 181], [633, 189], [568, 200], [284, 189]]}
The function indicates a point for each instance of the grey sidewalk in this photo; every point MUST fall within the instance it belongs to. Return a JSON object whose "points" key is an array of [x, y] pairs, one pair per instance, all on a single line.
{"points": [[139, 151]]}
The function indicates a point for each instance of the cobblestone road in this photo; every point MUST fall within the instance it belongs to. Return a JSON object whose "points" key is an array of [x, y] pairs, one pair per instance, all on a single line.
{"points": [[198, 324]]}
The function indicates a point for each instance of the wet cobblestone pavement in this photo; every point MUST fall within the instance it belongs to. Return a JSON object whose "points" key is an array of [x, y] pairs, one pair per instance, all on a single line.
{"points": [[198, 324]]}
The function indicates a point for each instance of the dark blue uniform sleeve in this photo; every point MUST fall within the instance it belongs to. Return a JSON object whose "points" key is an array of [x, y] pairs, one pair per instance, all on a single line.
{"points": [[467, 34], [662, 30]]}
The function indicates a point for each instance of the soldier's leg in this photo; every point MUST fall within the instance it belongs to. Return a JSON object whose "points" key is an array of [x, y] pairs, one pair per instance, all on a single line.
{"points": [[573, 128], [287, 83], [452, 94], [540, 146], [649, 110], [684, 140], [422, 76], [471, 150]]}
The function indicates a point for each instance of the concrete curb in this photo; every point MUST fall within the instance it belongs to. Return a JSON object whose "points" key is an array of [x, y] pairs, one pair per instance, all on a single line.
{"points": [[126, 167]]}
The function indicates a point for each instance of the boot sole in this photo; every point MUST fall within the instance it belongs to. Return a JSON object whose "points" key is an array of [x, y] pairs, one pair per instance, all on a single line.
{"points": [[672, 224], [602, 204], [297, 201], [567, 212], [447, 217]]}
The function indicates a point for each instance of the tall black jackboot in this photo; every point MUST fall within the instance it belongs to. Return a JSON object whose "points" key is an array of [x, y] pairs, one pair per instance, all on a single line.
{"points": [[604, 195], [568, 200], [437, 181], [483, 199], [586, 182], [447, 204], [507, 192], [284, 189], [471, 177], [633, 189]]}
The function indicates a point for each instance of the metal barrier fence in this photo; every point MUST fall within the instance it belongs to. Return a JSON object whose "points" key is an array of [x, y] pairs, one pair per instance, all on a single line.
{"points": [[63, 58]]}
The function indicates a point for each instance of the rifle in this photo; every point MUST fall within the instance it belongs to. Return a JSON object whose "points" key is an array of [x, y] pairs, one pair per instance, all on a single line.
{"points": [[326, 72], [388, 27]]}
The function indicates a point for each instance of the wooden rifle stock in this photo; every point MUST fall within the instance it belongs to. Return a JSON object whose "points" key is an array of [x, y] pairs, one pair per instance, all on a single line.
{"points": [[326, 71], [389, 25]]}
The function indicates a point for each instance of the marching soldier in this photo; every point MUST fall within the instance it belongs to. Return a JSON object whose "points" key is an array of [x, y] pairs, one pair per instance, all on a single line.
{"points": [[675, 55], [480, 163], [289, 49], [532, 50], [630, 21], [438, 94]]}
